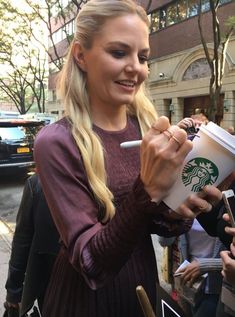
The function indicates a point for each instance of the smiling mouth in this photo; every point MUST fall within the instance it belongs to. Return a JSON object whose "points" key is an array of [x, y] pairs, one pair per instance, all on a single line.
{"points": [[126, 83]]}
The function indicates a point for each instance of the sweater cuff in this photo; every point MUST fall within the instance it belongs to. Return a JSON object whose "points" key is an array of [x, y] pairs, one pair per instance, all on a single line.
{"points": [[14, 298], [210, 264], [142, 198]]}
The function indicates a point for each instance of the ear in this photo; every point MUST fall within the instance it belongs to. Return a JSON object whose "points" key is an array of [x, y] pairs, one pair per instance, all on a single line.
{"points": [[79, 56]]}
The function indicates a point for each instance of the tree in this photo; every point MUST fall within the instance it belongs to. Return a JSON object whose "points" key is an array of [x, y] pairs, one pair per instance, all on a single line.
{"points": [[43, 11], [36, 15], [216, 60], [23, 81]]}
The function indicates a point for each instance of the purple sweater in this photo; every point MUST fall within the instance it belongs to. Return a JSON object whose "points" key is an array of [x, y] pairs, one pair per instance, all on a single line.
{"points": [[99, 265]]}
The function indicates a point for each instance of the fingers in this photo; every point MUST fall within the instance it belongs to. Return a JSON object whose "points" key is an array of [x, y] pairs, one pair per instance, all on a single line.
{"points": [[232, 248], [225, 256], [177, 142], [185, 211], [226, 261], [226, 217], [178, 137], [228, 266], [174, 135], [205, 200], [160, 125], [193, 206], [186, 123], [162, 152], [230, 231], [213, 194], [190, 274]]}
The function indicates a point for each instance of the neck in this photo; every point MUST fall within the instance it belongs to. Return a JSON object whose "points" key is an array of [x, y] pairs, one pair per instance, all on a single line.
{"points": [[112, 121]]}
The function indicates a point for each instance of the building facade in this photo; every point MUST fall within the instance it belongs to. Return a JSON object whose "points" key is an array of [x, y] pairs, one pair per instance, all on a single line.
{"points": [[179, 72]]}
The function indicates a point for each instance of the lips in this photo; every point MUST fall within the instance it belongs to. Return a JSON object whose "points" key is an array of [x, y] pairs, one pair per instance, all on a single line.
{"points": [[126, 83]]}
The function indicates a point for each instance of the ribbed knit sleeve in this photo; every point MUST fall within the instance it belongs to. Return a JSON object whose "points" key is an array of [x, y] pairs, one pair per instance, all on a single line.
{"points": [[96, 250], [110, 248], [209, 264]]}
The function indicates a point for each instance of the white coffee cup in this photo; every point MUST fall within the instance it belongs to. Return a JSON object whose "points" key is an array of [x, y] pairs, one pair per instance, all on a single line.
{"points": [[211, 160]]}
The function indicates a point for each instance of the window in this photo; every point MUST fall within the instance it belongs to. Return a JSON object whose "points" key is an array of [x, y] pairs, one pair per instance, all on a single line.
{"points": [[224, 1], [205, 5], [178, 11], [171, 14], [162, 23], [182, 10], [155, 19], [197, 69], [192, 8], [63, 32], [12, 133]]}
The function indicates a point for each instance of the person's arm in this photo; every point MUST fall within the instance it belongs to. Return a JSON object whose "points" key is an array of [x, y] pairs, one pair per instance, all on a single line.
{"points": [[20, 247], [165, 225], [214, 224], [209, 265], [199, 267], [228, 271], [209, 221], [95, 249]]}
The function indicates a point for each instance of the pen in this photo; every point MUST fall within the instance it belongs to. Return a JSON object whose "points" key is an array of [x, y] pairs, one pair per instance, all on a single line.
{"points": [[129, 144]]}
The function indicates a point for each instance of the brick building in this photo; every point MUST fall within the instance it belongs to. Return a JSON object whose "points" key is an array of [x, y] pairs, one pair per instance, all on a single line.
{"points": [[179, 73]]}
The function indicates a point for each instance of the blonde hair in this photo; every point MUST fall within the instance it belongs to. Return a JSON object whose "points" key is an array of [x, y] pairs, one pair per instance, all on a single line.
{"points": [[73, 93]]}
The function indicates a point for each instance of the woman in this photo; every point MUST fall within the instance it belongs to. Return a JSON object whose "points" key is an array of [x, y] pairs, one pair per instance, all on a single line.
{"points": [[106, 200]]}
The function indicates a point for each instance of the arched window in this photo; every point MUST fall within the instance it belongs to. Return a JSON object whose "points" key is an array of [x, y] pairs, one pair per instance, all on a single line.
{"points": [[198, 69]]}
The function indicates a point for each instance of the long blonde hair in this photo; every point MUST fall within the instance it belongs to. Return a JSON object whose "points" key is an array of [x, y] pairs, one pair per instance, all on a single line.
{"points": [[72, 91]]}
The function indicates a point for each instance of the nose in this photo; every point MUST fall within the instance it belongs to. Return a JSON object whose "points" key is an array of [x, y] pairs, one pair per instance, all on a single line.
{"points": [[133, 64]]}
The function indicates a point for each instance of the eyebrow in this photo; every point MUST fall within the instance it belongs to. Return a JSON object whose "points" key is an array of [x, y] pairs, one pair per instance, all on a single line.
{"points": [[126, 46]]}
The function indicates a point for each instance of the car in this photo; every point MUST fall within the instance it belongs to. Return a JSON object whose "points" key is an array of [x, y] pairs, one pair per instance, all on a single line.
{"points": [[16, 143]]}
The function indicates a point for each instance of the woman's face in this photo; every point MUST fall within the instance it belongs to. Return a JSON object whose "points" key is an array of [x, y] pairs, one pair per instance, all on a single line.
{"points": [[116, 64]]}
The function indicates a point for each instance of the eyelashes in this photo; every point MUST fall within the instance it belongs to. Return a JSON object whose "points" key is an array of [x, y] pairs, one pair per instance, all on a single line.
{"points": [[119, 54]]}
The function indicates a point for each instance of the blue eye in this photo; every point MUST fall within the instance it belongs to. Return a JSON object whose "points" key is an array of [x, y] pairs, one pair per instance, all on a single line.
{"points": [[118, 54]]}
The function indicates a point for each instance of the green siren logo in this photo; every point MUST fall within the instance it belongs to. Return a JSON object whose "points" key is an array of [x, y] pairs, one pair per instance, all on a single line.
{"points": [[198, 173]]}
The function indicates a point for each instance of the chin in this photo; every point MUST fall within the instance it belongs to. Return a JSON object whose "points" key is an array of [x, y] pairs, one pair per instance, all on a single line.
{"points": [[125, 101]]}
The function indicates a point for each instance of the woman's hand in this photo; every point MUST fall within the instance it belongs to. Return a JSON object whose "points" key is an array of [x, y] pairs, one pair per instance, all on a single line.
{"points": [[231, 232], [187, 123], [199, 202], [190, 273], [228, 271], [228, 257], [162, 153]]}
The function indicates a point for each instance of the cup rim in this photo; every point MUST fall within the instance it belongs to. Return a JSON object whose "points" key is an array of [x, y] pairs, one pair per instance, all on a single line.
{"points": [[214, 134]]}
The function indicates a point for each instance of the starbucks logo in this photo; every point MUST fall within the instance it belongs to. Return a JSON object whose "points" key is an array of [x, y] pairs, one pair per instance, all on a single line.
{"points": [[198, 173]]}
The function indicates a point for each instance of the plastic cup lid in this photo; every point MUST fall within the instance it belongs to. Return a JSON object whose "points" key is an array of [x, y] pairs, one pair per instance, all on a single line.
{"points": [[220, 136]]}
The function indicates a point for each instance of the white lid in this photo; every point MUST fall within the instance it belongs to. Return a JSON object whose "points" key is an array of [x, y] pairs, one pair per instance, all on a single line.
{"points": [[219, 135]]}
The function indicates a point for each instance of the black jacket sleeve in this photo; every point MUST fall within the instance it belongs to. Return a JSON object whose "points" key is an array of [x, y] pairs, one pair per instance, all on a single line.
{"points": [[20, 246], [214, 224]]}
